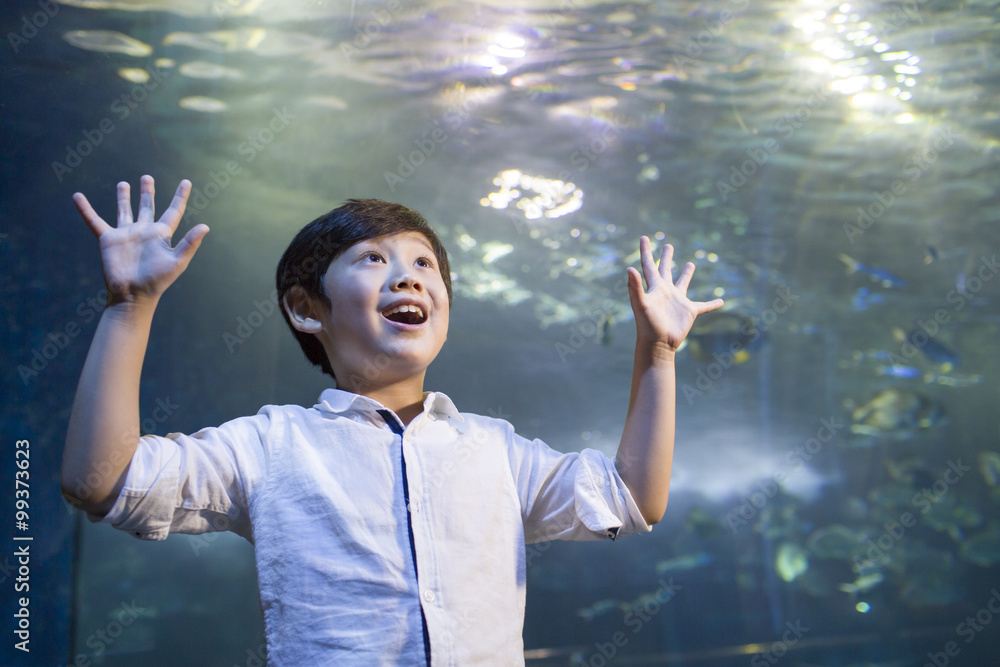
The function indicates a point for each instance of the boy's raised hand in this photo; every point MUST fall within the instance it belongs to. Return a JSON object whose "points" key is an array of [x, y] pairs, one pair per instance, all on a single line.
{"points": [[139, 264], [663, 313]]}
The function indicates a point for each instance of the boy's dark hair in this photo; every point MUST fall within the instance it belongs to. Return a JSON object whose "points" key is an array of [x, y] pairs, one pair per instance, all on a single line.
{"points": [[308, 256]]}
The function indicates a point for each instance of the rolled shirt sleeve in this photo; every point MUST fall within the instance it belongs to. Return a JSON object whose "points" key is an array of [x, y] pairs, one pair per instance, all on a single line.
{"points": [[192, 483], [573, 496]]}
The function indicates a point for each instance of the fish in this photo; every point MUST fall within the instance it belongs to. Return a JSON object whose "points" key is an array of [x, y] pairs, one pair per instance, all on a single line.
{"points": [[950, 513], [835, 541], [790, 561], [898, 371], [107, 41], [864, 298], [262, 41], [703, 524], [205, 104], [933, 350], [881, 276], [909, 372], [896, 412], [134, 74], [725, 334], [494, 250], [607, 321], [198, 69], [682, 563], [326, 102], [599, 608], [863, 583], [989, 467], [982, 549], [954, 380]]}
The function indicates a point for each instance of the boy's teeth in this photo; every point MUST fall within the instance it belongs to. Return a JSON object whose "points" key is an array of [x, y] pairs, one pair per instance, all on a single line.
{"points": [[404, 309], [407, 313]]}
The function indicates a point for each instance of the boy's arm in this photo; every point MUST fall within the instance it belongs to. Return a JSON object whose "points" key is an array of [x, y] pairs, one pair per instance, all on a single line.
{"points": [[663, 317], [139, 265]]}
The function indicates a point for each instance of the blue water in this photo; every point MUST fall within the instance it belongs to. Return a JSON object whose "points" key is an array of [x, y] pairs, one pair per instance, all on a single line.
{"points": [[764, 140]]}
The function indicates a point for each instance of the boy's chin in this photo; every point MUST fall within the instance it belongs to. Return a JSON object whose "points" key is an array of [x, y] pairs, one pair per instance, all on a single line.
{"points": [[388, 368]]}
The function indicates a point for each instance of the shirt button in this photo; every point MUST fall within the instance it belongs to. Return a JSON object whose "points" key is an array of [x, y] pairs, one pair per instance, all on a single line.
{"points": [[428, 596]]}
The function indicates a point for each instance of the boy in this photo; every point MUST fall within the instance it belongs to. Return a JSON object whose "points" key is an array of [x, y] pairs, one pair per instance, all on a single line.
{"points": [[388, 527]]}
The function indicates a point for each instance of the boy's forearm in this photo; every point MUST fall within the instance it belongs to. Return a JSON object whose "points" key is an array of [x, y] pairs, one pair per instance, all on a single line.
{"points": [[103, 427], [646, 452]]}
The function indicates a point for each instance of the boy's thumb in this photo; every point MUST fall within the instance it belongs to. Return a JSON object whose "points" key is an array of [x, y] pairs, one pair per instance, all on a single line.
{"points": [[634, 283], [191, 241]]}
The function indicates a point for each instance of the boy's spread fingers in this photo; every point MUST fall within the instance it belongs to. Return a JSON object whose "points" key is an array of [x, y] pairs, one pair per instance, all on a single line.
{"points": [[94, 221], [147, 194], [666, 259], [179, 202], [684, 279], [648, 265], [124, 204], [710, 306]]}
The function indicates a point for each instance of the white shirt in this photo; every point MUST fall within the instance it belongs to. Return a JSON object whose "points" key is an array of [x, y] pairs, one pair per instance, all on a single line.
{"points": [[320, 493]]}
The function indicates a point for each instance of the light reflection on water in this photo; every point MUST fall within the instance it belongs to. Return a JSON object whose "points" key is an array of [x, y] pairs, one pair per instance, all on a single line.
{"points": [[764, 140]]}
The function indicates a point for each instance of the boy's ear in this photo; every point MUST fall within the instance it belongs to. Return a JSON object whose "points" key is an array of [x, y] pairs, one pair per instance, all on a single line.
{"points": [[301, 309]]}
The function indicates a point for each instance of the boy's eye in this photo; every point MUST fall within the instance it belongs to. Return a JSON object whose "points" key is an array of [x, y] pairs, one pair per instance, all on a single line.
{"points": [[372, 256], [426, 263]]}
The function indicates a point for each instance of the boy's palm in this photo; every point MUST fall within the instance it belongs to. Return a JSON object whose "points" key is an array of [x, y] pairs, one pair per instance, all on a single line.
{"points": [[137, 258], [663, 314]]}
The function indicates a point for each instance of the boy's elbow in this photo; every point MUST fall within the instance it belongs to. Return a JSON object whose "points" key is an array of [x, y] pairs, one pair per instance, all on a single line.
{"points": [[86, 504], [82, 496], [653, 517], [89, 505]]}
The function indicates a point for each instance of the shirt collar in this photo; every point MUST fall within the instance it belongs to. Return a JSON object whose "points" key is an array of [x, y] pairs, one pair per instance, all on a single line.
{"points": [[340, 402]]}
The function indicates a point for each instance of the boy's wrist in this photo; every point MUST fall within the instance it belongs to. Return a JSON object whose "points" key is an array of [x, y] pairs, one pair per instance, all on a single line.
{"points": [[656, 352], [125, 309]]}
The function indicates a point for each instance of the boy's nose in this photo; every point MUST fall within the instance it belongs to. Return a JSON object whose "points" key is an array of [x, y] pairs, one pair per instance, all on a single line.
{"points": [[406, 280]]}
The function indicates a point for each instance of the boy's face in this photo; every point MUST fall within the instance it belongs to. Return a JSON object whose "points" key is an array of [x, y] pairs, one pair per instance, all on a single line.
{"points": [[389, 310]]}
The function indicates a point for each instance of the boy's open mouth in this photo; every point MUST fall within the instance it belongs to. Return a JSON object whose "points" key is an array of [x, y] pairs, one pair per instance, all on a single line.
{"points": [[405, 314]]}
